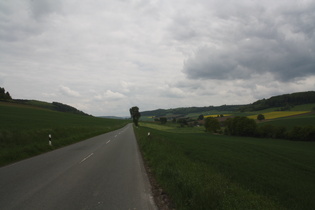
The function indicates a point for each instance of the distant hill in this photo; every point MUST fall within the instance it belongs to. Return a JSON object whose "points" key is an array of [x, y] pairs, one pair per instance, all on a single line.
{"points": [[188, 110], [282, 102], [55, 106], [113, 117]]}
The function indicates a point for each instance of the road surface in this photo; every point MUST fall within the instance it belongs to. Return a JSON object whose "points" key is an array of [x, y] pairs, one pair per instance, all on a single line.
{"points": [[104, 172]]}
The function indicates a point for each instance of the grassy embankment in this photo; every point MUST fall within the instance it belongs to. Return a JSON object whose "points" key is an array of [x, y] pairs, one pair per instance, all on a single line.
{"points": [[24, 130], [199, 170]]}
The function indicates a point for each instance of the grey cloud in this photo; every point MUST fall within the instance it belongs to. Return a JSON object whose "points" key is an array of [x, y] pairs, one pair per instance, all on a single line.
{"points": [[42, 8], [19, 19], [243, 63], [68, 92], [281, 45], [172, 91], [183, 28], [106, 56], [211, 63]]}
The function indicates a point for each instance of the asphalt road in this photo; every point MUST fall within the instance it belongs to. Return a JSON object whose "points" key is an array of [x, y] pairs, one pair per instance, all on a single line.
{"points": [[104, 172]]}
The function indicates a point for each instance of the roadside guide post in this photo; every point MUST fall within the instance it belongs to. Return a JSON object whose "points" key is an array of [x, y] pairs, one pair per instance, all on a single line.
{"points": [[49, 140]]}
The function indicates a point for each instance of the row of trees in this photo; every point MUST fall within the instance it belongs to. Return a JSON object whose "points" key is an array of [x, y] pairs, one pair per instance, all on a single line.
{"points": [[243, 126], [284, 102], [187, 110], [4, 95]]}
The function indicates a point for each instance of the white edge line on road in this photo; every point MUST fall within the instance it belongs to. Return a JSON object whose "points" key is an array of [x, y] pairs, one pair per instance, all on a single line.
{"points": [[84, 159], [108, 142]]}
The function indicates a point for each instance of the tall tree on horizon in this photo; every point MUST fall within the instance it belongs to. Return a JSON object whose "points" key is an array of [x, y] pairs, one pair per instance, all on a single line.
{"points": [[135, 114]]}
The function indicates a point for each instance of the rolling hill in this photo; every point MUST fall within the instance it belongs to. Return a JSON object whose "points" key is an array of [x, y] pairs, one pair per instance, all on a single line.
{"points": [[24, 128], [54, 106], [281, 103]]}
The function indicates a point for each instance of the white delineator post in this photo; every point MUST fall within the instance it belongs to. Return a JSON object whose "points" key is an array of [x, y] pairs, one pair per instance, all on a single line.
{"points": [[49, 140]]}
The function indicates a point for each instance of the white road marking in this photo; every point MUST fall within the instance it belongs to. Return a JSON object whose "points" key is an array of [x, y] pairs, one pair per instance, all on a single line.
{"points": [[115, 136], [108, 142], [84, 159]]}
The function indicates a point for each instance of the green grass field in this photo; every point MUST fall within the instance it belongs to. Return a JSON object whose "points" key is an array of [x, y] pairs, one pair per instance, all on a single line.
{"points": [[204, 171], [24, 130], [279, 114], [303, 120], [304, 107], [173, 127]]}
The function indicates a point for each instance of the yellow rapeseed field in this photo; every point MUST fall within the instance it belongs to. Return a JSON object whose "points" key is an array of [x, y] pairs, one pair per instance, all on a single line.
{"points": [[273, 115], [216, 115]]}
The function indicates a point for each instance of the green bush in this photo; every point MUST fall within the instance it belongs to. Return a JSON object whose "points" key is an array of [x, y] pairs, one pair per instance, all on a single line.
{"points": [[241, 126], [266, 131], [260, 117], [306, 133], [212, 124]]}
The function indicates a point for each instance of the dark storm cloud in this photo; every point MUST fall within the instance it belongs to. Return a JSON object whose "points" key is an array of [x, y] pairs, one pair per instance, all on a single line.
{"points": [[279, 42]]}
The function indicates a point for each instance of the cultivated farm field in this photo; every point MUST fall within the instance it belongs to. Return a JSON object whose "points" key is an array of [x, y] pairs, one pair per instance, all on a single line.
{"points": [[279, 114], [291, 122], [200, 170]]}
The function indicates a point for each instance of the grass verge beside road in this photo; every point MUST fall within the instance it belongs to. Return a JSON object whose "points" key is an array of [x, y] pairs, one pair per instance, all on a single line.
{"points": [[203, 171]]}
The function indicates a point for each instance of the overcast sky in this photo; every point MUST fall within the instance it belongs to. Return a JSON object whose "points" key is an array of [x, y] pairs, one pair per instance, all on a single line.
{"points": [[104, 57]]}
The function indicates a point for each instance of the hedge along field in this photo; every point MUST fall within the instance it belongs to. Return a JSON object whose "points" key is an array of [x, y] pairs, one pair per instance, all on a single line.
{"points": [[204, 171], [24, 130]]}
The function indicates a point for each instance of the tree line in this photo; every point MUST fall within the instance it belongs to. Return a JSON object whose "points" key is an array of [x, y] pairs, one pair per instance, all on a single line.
{"points": [[4, 95], [187, 110], [243, 126], [284, 102]]}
